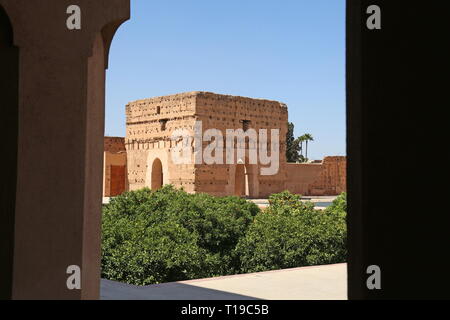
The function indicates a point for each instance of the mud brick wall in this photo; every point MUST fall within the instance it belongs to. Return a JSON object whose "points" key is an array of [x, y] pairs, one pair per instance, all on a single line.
{"points": [[318, 179], [114, 167], [150, 124], [224, 112]]}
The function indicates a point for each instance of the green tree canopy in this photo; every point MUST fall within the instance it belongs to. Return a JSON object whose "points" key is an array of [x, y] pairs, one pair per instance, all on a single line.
{"points": [[167, 235], [291, 233], [151, 237], [292, 145]]}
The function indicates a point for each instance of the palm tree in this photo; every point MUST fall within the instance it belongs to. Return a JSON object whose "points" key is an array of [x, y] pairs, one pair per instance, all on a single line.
{"points": [[307, 137], [300, 141]]}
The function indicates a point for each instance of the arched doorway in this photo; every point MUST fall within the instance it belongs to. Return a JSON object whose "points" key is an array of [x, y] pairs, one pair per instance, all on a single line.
{"points": [[157, 175], [241, 186]]}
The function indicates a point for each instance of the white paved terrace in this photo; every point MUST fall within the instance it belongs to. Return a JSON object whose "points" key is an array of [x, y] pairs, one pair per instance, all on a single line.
{"points": [[307, 283]]}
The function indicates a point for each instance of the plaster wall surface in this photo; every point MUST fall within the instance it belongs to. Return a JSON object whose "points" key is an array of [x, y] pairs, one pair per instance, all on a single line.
{"points": [[56, 112]]}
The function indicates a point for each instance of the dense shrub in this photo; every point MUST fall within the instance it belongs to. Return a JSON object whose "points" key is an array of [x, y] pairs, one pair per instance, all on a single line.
{"points": [[291, 233], [289, 204], [169, 235], [339, 206]]}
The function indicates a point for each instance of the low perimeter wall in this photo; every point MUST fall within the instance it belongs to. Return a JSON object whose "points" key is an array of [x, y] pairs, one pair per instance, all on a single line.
{"points": [[317, 179]]}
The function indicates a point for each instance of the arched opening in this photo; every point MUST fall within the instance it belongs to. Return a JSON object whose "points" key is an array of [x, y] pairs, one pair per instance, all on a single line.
{"points": [[241, 185], [146, 150], [9, 79], [157, 175]]}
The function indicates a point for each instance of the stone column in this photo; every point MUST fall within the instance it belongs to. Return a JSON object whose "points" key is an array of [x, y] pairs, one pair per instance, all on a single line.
{"points": [[55, 106]]}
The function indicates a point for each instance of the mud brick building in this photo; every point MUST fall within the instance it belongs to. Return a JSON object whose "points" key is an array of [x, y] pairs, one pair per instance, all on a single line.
{"points": [[148, 145]]}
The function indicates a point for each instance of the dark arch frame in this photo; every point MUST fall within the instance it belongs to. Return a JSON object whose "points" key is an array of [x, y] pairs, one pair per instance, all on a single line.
{"points": [[375, 72], [9, 86]]}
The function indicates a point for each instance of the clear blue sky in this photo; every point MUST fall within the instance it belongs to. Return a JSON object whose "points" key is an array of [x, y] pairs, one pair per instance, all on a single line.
{"points": [[287, 50]]}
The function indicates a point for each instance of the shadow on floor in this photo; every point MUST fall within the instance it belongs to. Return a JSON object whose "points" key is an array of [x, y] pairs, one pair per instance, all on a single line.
{"points": [[111, 290]]}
